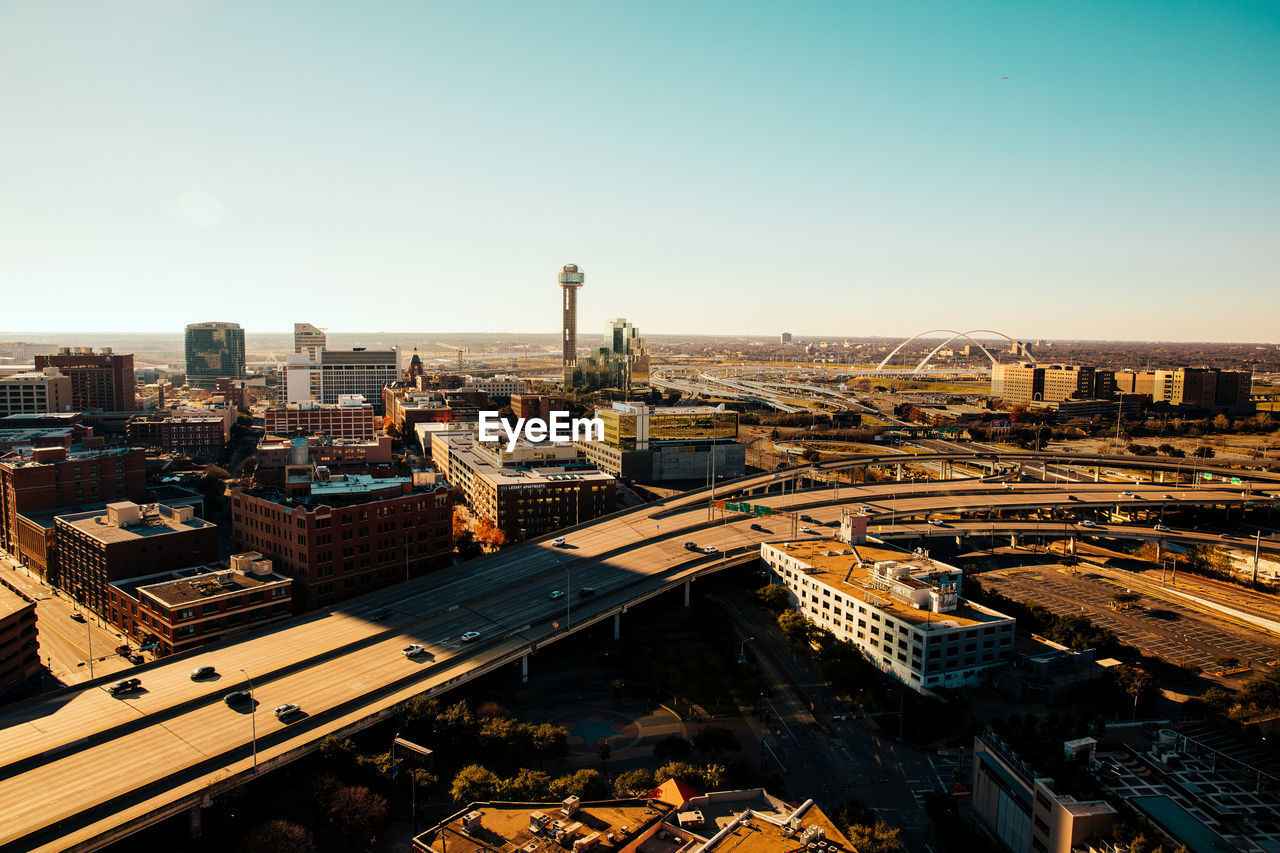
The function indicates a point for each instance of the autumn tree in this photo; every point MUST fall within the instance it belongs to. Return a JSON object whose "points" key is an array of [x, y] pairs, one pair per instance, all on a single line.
{"points": [[278, 836]]}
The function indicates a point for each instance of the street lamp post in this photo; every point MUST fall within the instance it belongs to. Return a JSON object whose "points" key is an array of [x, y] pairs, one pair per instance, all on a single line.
{"points": [[742, 650], [253, 719]]}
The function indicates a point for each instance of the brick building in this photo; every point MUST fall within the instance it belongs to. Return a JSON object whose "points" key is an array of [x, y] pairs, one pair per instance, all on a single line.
{"points": [[98, 380], [341, 535], [350, 417], [277, 455], [191, 434], [19, 648], [175, 611], [125, 540], [45, 478]]}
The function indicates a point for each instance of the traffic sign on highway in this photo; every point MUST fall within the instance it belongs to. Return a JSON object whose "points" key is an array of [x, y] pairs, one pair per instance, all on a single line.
{"points": [[749, 509]]}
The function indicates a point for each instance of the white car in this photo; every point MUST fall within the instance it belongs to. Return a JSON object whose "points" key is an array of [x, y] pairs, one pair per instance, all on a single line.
{"points": [[806, 529], [556, 593], [286, 711], [558, 542], [710, 549], [413, 651], [936, 522], [470, 636], [1087, 523], [1162, 528]]}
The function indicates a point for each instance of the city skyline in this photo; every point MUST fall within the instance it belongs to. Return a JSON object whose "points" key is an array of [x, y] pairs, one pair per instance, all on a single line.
{"points": [[823, 169]]}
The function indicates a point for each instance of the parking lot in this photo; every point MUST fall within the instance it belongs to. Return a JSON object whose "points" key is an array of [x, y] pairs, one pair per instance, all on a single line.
{"points": [[1160, 627]]}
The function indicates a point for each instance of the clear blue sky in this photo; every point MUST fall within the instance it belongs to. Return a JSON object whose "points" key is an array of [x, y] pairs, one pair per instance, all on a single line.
{"points": [[842, 168]]}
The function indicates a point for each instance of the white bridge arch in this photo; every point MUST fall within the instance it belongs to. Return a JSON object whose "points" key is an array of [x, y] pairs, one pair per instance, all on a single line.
{"points": [[954, 334]]}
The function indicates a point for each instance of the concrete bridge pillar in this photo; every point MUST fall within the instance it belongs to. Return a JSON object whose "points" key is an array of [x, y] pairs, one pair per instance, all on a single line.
{"points": [[524, 667], [959, 540], [1097, 474], [687, 585], [617, 626], [1071, 546], [195, 821], [1159, 550], [1013, 540], [898, 469]]}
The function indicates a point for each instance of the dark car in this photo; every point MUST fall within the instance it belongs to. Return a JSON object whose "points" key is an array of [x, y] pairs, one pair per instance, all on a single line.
{"points": [[586, 592], [757, 527], [203, 672], [691, 546], [807, 518], [240, 697], [127, 686], [78, 616]]}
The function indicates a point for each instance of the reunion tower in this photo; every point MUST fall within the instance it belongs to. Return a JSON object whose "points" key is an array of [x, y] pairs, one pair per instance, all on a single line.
{"points": [[570, 281]]}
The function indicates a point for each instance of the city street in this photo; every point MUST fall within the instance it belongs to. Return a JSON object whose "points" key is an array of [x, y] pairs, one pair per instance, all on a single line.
{"points": [[65, 643]]}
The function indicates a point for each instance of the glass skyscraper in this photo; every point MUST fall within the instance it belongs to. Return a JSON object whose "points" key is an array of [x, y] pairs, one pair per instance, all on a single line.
{"points": [[214, 351]]}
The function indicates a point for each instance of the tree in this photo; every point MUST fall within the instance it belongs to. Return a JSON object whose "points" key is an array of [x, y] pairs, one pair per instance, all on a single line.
{"points": [[489, 535], [809, 455], [876, 837], [527, 786], [278, 836], [795, 625], [587, 784], [1204, 451], [474, 782], [775, 597], [1226, 662], [357, 811], [681, 771], [634, 783]]}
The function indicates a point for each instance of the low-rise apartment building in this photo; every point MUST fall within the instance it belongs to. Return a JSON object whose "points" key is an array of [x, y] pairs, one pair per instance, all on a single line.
{"points": [[902, 610], [125, 540], [277, 455], [342, 535], [350, 417], [170, 612]]}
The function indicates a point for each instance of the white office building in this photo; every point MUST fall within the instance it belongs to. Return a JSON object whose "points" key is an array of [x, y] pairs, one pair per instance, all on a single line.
{"points": [[903, 611]]}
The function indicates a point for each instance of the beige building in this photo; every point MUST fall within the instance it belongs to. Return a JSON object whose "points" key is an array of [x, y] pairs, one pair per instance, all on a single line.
{"points": [[655, 443], [35, 392], [1023, 811], [1017, 383], [528, 491], [902, 610]]}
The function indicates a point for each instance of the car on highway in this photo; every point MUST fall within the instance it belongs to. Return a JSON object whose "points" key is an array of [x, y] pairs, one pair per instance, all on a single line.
{"points": [[586, 592], [1225, 536], [239, 697], [865, 508], [757, 526], [936, 522], [1162, 528], [1008, 485], [78, 616], [710, 549], [470, 636], [1127, 495], [558, 542], [284, 711], [691, 546], [412, 651], [127, 686], [806, 530], [203, 672], [1087, 523], [807, 518], [556, 593], [1167, 497]]}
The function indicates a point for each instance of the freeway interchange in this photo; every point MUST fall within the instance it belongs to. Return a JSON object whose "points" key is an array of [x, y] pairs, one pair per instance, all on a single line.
{"points": [[81, 768]]}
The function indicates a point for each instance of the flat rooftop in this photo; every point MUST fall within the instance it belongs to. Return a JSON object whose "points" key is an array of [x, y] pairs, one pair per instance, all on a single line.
{"points": [[96, 525], [753, 821], [197, 583], [504, 827], [837, 565]]}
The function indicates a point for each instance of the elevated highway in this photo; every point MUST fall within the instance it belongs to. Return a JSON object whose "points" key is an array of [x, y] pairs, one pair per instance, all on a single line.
{"points": [[80, 768]]}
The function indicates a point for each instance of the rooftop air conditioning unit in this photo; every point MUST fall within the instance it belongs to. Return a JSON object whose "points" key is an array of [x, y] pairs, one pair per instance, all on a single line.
{"points": [[472, 820]]}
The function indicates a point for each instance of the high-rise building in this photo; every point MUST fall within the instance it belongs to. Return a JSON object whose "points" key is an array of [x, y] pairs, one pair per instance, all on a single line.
{"points": [[1017, 383], [570, 280], [214, 350], [98, 380], [654, 443], [786, 337], [307, 338], [329, 374]]}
